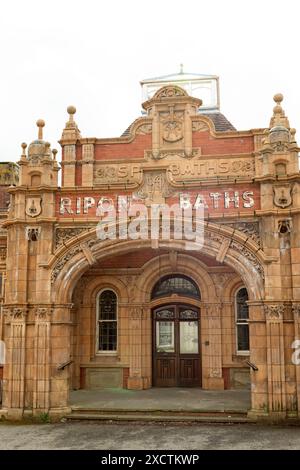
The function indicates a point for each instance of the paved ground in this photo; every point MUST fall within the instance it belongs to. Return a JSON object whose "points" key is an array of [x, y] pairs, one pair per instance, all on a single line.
{"points": [[93, 436], [162, 399]]}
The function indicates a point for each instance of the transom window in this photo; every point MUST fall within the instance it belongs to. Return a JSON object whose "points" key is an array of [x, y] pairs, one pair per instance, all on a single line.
{"points": [[107, 321], [175, 284], [242, 320]]}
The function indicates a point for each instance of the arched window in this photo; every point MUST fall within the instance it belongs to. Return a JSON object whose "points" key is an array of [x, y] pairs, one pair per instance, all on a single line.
{"points": [[242, 321], [107, 322], [175, 284]]}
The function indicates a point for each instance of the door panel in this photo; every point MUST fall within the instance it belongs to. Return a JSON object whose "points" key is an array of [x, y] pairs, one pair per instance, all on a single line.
{"points": [[189, 372], [176, 356], [166, 372]]}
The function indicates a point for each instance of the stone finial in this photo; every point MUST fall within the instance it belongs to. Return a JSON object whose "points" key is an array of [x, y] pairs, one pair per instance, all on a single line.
{"points": [[54, 153], [23, 154], [24, 146], [40, 123], [71, 110], [71, 131], [279, 118]]}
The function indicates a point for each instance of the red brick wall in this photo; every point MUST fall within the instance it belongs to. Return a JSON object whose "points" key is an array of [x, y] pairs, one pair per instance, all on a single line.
{"points": [[219, 146], [134, 149]]}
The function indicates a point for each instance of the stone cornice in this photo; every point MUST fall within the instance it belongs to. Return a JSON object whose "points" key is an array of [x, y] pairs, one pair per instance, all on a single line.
{"points": [[31, 222], [275, 179], [32, 190]]}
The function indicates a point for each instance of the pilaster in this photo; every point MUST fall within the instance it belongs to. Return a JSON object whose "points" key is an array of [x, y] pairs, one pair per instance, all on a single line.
{"points": [[212, 346], [14, 371]]}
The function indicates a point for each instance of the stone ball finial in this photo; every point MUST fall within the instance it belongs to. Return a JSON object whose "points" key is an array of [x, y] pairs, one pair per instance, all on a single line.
{"points": [[278, 98], [40, 123], [23, 145], [54, 153], [71, 110]]}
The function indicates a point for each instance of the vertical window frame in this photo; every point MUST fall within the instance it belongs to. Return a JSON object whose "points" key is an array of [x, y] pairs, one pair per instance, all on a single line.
{"points": [[237, 322], [106, 352]]}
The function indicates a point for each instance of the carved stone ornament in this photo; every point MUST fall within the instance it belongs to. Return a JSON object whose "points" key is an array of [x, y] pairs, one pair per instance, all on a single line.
{"points": [[33, 206], [274, 312], [280, 146], [250, 256], [136, 313], [196, 152], [15, 314], [296, 310], [214, 237], [211, 310], [144, 129], [131, 287], [251, 229], [131, 174], [33, 233], [72, 252], [173, 130], [283, 196], [199, 126], [62, 235], [43, 313], [155, 187], [285, 226], [170, 92]]}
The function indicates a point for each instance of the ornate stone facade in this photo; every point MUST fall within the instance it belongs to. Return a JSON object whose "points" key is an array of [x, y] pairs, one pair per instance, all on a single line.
{"points": [[57, 269]]}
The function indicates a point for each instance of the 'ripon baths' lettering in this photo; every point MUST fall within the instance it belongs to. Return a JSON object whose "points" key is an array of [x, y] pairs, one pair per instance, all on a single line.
{"points": [[210, 200]]}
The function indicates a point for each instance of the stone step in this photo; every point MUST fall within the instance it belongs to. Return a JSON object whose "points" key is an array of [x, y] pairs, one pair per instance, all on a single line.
{"points": [[164, 417], [158, 412]]}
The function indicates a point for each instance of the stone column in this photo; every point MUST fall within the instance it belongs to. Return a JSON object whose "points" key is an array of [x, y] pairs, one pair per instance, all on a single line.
{"points": [[41, 387], [14, 370], [258, 357], [212, 346], [135, 379], [275, 359], [60, 359]]}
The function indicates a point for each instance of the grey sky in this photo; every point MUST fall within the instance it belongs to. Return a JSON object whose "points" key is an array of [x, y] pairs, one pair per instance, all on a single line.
{"points": [[93, 53]]}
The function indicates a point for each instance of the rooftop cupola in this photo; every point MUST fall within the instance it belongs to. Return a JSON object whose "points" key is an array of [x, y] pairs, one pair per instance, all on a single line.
{"points": [[39, 166]]}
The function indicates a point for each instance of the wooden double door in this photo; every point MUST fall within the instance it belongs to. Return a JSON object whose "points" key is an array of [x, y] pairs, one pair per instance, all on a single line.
{"points": [[176, 346]]}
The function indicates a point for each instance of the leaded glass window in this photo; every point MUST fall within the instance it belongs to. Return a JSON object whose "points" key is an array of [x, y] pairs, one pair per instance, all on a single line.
{"points": [[242, 320], [175, 284], [107, 321]]}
